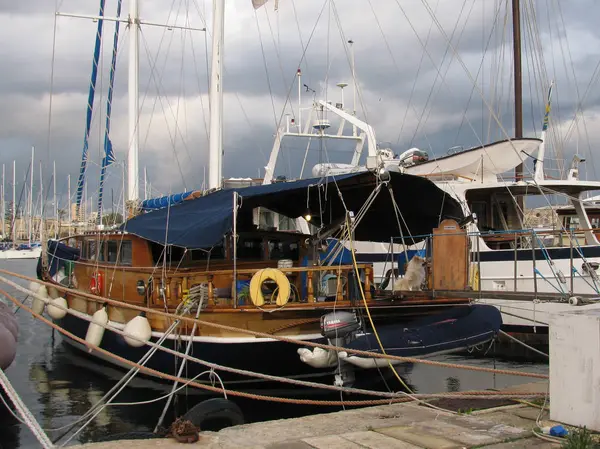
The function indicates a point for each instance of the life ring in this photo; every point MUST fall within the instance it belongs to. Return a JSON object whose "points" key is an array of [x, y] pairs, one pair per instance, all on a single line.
{"points": [[215, 414], [283, 286], [96, 283]]}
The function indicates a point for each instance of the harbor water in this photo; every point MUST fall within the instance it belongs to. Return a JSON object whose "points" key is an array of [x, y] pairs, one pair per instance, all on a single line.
{"points": [[59, 385]]}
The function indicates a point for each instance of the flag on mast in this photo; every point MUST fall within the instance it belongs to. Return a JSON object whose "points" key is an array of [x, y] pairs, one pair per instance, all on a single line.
{"points": [[258, 3]]}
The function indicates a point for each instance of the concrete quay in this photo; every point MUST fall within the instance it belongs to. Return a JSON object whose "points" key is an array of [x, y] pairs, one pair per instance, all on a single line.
{"points": [[395, 426]]}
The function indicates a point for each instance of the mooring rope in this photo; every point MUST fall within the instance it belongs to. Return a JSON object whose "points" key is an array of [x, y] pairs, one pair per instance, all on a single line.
{"points": [[389, 400], [28, 418], [259, 334]]}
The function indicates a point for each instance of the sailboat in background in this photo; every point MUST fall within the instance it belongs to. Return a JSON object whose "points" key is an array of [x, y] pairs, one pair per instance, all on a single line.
{"points": [[24, 250]]}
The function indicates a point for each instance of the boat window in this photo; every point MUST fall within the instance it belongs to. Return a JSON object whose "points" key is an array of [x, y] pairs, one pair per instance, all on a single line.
{"points": [[101, 251], [250, 249], [112, 251], [283, 250], [572, 222], [91, 250], [126, 252], [480, 209], [81, 247]]}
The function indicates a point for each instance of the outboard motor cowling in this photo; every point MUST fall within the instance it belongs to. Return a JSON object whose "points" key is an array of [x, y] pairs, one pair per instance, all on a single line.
{"points": [[338, 326]]}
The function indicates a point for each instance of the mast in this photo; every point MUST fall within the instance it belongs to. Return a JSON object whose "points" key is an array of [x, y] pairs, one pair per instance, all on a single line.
{"points": [[69, 201], [516, 16], [55, 205], [133, 88], [351, 44], [14, 199], [30, 206], [41, 206], [215, 145]]}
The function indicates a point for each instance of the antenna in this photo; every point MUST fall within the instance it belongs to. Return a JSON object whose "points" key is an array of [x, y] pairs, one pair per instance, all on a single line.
{"points": [[341, 86]]}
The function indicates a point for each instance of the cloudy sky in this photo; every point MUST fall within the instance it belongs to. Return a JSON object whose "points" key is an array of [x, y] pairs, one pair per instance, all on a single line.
{"points": [[413, 87]]}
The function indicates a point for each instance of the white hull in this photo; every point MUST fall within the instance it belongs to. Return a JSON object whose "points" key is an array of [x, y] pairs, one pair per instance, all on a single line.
{"points": [[20, 254], [500, 276]]}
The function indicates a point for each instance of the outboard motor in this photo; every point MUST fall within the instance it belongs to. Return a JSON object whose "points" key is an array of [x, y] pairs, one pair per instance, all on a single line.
{"points": [[340, 328]]}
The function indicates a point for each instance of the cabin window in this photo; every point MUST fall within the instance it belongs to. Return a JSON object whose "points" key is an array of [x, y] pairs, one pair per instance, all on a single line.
{"points": [[250, 249], [102, 252], [80, 246], [480, 209], [126, 252], [283, 250], [91, 250], [112, 247], [572, 222]]}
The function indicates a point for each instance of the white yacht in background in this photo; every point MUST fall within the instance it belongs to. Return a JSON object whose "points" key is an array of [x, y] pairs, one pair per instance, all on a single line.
{"points": [[507, 255]]}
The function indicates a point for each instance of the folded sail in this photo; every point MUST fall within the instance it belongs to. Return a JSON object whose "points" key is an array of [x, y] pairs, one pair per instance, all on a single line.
{"points": [[109, 155]]}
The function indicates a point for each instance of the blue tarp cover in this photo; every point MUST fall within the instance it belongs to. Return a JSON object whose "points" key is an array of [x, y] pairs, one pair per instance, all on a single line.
{"points": [[202, 222]]}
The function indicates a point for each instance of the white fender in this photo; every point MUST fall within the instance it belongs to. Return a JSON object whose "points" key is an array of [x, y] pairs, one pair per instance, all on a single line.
{"points": [[318, 357], [53, 292], [43, 291], [365, 362], [95, 330], [140, 329], [38, 304], [57, 308]]}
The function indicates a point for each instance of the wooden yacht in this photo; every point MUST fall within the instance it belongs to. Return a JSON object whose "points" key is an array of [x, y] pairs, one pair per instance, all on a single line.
{"points": [[206, 257]]}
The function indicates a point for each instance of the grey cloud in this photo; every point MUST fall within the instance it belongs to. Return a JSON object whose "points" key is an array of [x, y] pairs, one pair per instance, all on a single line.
{"points": [[386, 89]]}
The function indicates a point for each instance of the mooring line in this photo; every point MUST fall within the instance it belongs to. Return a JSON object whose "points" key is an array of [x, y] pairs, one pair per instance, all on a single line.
{"points": [[456, 395], [260, 334]]}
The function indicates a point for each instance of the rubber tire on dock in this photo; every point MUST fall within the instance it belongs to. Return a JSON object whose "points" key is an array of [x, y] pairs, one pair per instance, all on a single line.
{"points": [[215, 414]]}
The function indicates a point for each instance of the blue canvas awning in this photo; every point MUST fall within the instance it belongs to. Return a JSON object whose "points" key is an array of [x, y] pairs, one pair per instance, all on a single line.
{"points": [[202, 222]]}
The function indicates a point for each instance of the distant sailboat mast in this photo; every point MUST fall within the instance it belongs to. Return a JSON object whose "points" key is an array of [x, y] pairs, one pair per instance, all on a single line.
{"points": [[54, 200], [30, 206], [14, 200], [3, 204]]}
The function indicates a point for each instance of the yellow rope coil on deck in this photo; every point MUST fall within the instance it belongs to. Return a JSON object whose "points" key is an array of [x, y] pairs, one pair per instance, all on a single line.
{"points": [[273, 274]]}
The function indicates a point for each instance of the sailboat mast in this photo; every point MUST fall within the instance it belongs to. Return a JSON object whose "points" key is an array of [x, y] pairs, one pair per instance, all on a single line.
{"points": [[41, 222], [215, 145], [14, 200], [54, 200], [31, 195], [133, 87], [516, 16], [69, 201]]}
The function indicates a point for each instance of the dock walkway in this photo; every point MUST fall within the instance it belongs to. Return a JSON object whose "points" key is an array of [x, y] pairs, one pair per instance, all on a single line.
{"points": [[396, 426]]}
